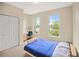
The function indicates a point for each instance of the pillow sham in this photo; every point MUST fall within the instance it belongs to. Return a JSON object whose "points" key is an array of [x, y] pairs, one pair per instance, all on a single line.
{"points": [[63, 44], [62, 50]]}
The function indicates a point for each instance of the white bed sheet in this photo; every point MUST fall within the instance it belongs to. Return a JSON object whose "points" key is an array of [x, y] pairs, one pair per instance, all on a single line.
{"points": [[62, 50]]}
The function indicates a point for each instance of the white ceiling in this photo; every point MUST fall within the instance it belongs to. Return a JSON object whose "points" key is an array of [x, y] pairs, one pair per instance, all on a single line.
{"points": [[33, 8]]}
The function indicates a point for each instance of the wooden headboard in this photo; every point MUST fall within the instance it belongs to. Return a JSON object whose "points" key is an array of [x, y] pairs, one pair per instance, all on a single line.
{"points": [[73, 51]]}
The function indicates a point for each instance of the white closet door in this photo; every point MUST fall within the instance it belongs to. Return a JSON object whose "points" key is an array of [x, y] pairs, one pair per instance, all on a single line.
{"points": [[8, 32]]}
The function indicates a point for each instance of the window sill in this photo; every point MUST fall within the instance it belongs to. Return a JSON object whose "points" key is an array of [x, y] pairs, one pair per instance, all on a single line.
{"points": [[54, 36]]}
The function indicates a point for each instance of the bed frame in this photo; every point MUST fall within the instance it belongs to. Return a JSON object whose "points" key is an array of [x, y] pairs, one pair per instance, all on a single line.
{"points": [[73, 52], [29, 54]]}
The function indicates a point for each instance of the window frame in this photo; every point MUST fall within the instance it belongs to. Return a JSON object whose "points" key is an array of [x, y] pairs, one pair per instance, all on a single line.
{"points": [[36, 18], [49, 35]]}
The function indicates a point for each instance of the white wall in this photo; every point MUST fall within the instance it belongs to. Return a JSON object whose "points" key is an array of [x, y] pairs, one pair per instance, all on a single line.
{"points": [[66, 26], [26, 23], [76, 25]]}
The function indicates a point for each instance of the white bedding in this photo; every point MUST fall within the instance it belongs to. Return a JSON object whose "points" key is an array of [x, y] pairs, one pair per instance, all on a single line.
{"points": [[62, 50]]}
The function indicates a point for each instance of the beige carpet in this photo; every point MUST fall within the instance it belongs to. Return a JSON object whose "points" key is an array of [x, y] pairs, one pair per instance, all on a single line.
{"points": [[16, 51]]}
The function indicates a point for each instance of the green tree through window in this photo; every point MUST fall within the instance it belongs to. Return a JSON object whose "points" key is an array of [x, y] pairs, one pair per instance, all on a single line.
{"points": [[37, 24], [54, 25]]}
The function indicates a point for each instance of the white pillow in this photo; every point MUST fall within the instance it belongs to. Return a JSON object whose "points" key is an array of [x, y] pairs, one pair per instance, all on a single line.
{"points": [[63, 44], [62, 50]]}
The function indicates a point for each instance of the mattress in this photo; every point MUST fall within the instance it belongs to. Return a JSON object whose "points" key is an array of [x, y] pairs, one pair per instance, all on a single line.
{"points": [[41, 47]]}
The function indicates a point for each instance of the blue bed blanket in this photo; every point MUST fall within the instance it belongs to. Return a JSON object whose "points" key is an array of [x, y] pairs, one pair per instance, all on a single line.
{"points": [[41, 47]]}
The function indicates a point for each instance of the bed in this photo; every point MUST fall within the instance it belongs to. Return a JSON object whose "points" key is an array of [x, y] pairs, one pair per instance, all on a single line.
{"points": [[41, 47]]}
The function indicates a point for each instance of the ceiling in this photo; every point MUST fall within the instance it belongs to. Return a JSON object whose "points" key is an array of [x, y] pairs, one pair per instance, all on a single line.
{"points": [[33, 8]]}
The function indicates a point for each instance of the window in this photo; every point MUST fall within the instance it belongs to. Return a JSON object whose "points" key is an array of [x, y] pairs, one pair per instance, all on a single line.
{"points": [[54, 22], [37, 24]]}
